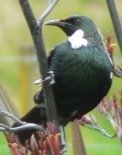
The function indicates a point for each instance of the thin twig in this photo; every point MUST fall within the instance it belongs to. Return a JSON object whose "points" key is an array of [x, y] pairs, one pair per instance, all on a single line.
{"points": [[50, 1], [91, 123], [100, 130], [52, 4], [23, 125], [5, 113], [26, 126], [116, 21], [7, 107]]}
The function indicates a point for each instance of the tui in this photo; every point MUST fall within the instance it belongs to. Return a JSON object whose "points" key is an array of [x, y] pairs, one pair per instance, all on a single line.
{"points": [[82, 70]]}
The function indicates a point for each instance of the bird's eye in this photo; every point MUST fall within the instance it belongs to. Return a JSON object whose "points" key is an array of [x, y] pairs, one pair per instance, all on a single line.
{"points": [[77, 21]]}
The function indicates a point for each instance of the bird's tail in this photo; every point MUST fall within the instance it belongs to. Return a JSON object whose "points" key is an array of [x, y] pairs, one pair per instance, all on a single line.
{"points": [[36, 115]]}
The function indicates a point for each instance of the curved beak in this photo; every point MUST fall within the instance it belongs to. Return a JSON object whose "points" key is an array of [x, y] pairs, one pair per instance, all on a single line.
{"points": [[53, 22], [57, 22], [63, 24]]}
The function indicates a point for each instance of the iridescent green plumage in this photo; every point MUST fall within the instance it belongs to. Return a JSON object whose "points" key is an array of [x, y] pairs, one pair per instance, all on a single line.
{"points": [[82, 79]]}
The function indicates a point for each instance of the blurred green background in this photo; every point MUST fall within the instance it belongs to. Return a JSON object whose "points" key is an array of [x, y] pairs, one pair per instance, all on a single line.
{"points": [[19, 68]]}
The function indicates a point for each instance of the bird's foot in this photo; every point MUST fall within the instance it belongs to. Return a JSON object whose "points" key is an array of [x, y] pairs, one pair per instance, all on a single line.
{"points": [[50, 79]]}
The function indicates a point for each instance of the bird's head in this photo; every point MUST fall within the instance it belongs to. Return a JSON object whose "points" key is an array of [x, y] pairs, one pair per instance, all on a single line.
{"points": [[73, 23]]}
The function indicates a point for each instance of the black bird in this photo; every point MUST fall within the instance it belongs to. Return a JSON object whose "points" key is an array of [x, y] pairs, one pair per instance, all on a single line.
{"points": [[82, 69]]}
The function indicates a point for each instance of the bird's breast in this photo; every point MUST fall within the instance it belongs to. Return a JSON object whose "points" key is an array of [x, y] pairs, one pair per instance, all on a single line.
{"points": [[81, 71]]}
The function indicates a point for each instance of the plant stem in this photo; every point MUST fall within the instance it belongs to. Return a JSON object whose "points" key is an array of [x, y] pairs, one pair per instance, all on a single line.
{"points": [[116, 21], [77, 142], [36, 32]]}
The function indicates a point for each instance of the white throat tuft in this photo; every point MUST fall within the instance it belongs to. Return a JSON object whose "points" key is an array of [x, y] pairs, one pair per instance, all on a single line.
{"points": [[77, 39]]}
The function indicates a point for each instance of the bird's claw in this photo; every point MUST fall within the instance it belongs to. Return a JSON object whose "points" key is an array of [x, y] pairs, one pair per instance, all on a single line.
{"points": [[49, 79]]}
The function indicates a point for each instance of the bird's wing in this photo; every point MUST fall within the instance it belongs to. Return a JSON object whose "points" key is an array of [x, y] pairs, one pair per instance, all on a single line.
{"points": [[51, 54]]}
